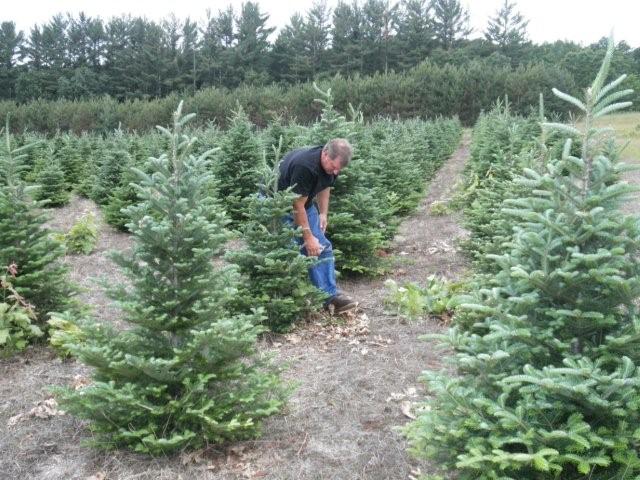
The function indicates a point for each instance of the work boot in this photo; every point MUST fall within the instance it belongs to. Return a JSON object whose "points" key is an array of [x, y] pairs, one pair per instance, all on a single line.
{"points": [[341, 303]]}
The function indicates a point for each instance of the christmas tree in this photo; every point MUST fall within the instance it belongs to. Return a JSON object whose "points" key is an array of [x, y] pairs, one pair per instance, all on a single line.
{"points": [[277, 273], [237, 163], [114, 161], [69, 156], [87, 150], [37, 150], [122, 196], [185, 373], [547, 384], [355, 213], [500, 140], [278, 137], [25, 244], [53, 188]]}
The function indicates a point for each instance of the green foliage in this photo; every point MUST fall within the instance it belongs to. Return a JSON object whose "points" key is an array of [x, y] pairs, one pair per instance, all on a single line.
{"points": [[83, 235], [69, 157], [502, 145], [439, 208], [545, 383], [392, 167], [278, 136], [450, 22], [35, 156], [17, 319], [25, 242], [508, 29], [53, 188], [236, 164], [114, 161], [464, 89], [124, 194], [87, 171], [62, 331], [185, 374], [356, 215], [277, 273], [412, 301], [121, 197]]}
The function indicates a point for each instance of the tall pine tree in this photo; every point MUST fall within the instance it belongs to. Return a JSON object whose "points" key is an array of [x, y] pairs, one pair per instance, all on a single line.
{"points": [[450, 23]]}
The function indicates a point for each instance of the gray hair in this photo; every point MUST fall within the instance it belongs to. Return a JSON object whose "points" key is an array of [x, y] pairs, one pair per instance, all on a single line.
{"points": [[339, 147]]}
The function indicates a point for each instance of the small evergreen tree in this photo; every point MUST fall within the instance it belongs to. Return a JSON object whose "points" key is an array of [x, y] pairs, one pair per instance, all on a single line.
{"points": [[113, 162], [277, 273], [82, 237], [398, 180], [503, 144], [87, 148], [185, 373], [356, 214], [122, 196], [25, 244], [53, 188], [236, 166], [70, 159], [278, 137], [547, 382], [38, 149]]}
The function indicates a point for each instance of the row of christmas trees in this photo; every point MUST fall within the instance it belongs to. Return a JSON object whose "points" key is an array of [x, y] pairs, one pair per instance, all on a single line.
{"points": [[545, 383], [385, 179], [392, 162], [185, 372]]}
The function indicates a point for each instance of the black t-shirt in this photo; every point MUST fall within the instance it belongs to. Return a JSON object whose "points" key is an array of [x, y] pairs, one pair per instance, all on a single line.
{"points": [[301, 169]]}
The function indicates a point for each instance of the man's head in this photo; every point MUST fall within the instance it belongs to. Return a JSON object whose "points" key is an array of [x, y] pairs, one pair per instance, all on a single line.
{"points": [[336, 155]]}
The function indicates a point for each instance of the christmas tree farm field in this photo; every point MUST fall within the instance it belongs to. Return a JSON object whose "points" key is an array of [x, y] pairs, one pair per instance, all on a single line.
{"points": [[355, 378]]}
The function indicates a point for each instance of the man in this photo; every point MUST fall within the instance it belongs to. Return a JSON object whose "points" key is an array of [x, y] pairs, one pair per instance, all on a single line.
{"points": [[312, 172]]}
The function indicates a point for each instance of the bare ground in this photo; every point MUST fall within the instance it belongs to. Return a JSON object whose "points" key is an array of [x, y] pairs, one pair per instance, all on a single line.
{"points": [[357, 379]]}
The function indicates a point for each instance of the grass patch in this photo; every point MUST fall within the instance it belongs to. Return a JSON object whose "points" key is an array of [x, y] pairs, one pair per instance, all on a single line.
{"points": [[627, 127]]}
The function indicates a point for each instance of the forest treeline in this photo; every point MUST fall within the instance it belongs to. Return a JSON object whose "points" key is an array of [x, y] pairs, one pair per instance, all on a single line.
{"points": [[234, 53]]}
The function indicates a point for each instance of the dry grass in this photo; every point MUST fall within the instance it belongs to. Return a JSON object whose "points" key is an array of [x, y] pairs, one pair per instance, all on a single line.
{"points": [[627, 129]]}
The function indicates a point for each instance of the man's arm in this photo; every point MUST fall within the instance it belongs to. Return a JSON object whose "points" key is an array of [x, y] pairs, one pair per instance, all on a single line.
{"points": [[311, 243], [322, 198]]}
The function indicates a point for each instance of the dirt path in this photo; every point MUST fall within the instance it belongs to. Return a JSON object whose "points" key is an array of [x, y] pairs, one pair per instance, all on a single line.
{"points": [[355, 378]]}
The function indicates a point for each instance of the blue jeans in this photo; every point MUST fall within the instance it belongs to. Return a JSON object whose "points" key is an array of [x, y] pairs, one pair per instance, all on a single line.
{"points": [[322, 274]]}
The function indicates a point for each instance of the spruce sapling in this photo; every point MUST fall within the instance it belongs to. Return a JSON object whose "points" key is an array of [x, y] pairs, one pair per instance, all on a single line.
{"points": [[185, 373], [547, 383], [276, 271]]}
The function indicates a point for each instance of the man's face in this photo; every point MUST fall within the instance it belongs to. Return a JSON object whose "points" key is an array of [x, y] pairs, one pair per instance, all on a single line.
{"points": [[330, 166]]}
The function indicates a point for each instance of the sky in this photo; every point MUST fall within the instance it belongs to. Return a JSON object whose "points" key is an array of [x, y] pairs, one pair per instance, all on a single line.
{"points": [[582, 21]]}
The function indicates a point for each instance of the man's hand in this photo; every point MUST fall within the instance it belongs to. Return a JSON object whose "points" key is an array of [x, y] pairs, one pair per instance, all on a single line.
{"points": [[323, 222], [313, 246]]}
